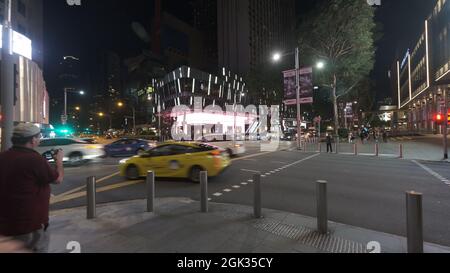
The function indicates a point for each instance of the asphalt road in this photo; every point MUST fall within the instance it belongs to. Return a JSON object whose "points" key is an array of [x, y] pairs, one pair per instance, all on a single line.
{"points": [[363, 191]]}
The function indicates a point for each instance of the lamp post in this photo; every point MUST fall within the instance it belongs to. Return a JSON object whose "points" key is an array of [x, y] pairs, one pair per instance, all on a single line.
{"points": [[121, 104], [101, 114], [276, 58], [7, 83], [68, 90]]}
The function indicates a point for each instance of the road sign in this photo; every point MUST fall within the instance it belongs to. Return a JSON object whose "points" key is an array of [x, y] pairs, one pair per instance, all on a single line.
{"points": [[63, 119]]}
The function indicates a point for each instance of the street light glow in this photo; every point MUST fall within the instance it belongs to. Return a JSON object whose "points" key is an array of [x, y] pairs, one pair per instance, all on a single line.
{"points": [[276, 57], [101, 114], [320, 65], [120, 104], [82, 93]]}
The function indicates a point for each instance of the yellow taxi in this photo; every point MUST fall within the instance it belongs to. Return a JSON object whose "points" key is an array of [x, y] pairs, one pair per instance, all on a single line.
{"points": [[177, 160]]}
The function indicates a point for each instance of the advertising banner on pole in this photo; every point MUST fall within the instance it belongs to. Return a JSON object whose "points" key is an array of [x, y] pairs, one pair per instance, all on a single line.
{"points": [[306, 86], [349, 110]]}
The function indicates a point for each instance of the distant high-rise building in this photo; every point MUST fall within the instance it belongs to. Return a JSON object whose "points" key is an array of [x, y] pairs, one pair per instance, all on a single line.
{"points": [[205, 20], [69, 72], [250, 30], [108, 76]]}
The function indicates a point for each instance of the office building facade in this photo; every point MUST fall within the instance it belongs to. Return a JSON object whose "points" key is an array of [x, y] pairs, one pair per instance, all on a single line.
{"points": [[423, 74], [249, 31], [31, 103]]}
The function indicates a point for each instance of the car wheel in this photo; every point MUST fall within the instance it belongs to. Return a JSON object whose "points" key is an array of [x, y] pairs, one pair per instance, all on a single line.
{"points": [[75, 159], [230, 152], [132, 172], [194, 174]]}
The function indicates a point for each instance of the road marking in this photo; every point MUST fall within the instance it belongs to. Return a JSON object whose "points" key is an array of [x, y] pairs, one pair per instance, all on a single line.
{"points": [[218, 194], [244, 183], [279, 162], [251, 156], [433, 173], [227, 190], [250, 180], [102, 189], [82, 187], [249, 171], [249, 159], [236, 186], [268, 173]]}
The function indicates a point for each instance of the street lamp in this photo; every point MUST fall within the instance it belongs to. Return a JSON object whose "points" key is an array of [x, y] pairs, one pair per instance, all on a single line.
{"points": [[101, 114], [69, 90], [276, 58], [121, 104], [320, 65]]}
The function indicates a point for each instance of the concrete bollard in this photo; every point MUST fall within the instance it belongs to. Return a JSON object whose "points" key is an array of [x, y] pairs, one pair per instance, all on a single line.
{"points": [[401, 150], [414, 222], [355, 149], [91, 189], [320, 147], [322, 207], [377, 149], [204, 191], [150, 183], [257, 207]]}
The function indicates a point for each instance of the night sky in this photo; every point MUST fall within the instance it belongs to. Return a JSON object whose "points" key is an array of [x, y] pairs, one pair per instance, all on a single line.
{"points": [[106, 24]]}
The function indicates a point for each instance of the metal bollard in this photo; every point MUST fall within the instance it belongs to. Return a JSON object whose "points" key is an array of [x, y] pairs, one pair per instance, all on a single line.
{"points": [[414, 222], [401, 150], [257, 195], [91, 189], [377, 149], [150, 183], [204, 191], [355, 148], [320, 147], [322, 207]]}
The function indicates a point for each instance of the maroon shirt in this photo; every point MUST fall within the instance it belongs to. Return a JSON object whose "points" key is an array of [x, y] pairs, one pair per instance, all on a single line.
{"points": [[25, 178]]}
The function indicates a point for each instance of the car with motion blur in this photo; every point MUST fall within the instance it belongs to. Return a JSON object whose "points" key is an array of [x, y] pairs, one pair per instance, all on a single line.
{"points": [[233, 148], [128, 147], [75, 151], [89, 140], [177, 160]]}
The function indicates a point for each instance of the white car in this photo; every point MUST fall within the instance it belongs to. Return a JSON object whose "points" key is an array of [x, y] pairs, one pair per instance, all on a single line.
{"points": [[233, 148], [75, 151]]}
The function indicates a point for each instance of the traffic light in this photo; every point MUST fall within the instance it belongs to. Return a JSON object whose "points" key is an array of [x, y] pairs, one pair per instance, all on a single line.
{"points": [[439, 118], [448, 117]]}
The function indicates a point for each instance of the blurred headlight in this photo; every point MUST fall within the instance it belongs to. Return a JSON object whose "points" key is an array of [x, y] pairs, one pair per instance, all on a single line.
{"points": [[123, 161]]}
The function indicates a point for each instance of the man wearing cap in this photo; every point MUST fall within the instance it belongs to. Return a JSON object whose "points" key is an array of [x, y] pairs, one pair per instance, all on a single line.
{"points": [[25, 179]]}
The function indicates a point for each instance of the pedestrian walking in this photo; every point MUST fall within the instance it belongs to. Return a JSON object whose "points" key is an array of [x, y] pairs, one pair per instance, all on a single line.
{"points": [[329, 142], [25, 180]]}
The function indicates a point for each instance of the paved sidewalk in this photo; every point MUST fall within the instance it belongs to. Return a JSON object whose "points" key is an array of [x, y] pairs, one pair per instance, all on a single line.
{"points": [[413, 149], [179, 227]]}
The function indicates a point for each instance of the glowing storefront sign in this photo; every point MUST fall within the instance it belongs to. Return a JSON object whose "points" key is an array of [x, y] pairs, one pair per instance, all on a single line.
{"points": [[21, 44]]}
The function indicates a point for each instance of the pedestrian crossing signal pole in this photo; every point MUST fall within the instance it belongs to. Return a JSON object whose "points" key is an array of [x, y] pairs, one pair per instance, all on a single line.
{"points": [[7, 82]]}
